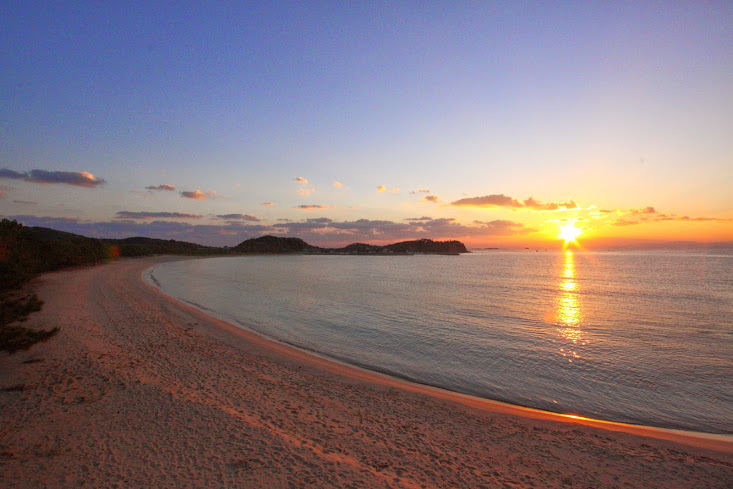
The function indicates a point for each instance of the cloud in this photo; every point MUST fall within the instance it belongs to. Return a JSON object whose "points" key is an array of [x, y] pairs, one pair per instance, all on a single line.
{"points": [[495, 200], [310, 207], [77, 179], [196, 195], [306, 191], [337, 184], [156, 215], [239, 217], [199, 195], [302, 180], [394, 190], [501, 200], [421, 191], [24, 202], [161, 187], [645, 210], [381, 188], [649, 214], [267, 204], [539, 206], [433, 199]]}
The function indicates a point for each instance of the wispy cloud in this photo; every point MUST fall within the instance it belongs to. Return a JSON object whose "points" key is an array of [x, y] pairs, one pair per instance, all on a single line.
{"points": [[381, 188], [156, 215], [77, 179], [433, 199], [632, 217], [501, 200], [305, 191], [495, 200], [267, 204], [421, 191], [161, 187], [302, 180], [239, 217], [337, 184], [312, 207], [644, 211]]}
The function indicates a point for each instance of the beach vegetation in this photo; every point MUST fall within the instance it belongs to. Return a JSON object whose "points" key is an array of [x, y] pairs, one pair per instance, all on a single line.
{"points": [[17, 309], [24, 254]]}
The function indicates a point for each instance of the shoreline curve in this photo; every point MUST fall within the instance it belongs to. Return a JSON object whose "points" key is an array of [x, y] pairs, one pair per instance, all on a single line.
{"points": [[715, 441], [138, 389]]}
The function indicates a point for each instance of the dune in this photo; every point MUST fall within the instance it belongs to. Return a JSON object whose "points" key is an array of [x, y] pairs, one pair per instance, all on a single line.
{"points": [[140, 390]]}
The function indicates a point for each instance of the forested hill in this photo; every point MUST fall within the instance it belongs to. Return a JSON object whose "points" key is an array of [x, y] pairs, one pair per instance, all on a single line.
{"points": [[26, 252], [427, 246], [140, 246], [275, 244]]}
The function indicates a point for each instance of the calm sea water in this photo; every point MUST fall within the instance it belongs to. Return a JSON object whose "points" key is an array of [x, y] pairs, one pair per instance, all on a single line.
{"points": [[640, 337]]}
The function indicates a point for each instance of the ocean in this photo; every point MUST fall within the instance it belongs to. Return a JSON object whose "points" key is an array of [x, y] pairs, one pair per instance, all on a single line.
{"points": [[639, 337]]}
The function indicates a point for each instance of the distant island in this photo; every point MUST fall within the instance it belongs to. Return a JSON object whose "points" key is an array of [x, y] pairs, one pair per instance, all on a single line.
{"points": [[275, 244]]}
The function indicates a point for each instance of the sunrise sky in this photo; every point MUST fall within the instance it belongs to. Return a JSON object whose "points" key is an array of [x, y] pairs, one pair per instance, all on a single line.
{"points": [[494, 123]]}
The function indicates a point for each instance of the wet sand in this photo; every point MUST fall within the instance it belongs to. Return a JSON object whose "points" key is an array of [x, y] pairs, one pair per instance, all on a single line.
{"points": [[140, 390]]}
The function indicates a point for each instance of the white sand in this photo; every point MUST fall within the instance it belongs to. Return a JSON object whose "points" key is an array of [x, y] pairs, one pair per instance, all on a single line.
{"points": [[138, 390]]}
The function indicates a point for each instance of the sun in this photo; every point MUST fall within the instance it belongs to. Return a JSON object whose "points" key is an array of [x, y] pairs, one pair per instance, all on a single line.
{"points": [[569, 233]]}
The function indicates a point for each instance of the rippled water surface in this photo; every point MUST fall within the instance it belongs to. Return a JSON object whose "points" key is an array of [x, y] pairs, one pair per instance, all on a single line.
{"points": [[644, 337]]}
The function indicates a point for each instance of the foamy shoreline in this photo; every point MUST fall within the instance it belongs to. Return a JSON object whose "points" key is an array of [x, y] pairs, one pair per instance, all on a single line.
{"points": [[139, 389]]}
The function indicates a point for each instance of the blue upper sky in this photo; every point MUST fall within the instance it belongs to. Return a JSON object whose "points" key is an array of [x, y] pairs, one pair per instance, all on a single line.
{"points": [[612, 105]]}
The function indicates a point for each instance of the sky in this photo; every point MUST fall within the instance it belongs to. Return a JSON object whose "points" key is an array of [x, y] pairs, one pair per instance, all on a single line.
{"points": [[494, 123]]}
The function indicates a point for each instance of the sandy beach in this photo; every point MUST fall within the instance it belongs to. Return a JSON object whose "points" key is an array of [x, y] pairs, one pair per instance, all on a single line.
{"points": [[140, 390]]}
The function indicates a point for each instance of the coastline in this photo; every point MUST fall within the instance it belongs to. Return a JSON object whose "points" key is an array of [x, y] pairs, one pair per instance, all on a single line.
{"points": [[694, 438], [140, 388]]}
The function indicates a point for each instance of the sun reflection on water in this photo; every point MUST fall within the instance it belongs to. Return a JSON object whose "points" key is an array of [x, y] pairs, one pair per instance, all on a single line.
{"points": [[569, 315]]}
